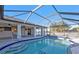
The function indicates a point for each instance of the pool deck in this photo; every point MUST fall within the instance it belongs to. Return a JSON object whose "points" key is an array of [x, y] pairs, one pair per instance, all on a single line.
{"points": [[74, 48], [74, 38], [4, 42]]}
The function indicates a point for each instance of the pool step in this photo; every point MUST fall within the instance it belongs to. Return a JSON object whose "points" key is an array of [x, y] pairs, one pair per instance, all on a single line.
{"points": [[21, 50], [16, 48]]}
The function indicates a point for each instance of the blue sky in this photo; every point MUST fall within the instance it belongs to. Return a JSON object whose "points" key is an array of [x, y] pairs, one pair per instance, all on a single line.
{"points": [[45, 11]]}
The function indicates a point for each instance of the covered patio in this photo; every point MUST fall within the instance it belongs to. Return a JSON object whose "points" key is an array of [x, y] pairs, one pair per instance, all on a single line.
{"points": [[19, 30]]}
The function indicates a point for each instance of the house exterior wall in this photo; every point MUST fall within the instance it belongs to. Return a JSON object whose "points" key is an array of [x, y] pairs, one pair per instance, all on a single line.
{"points": [[11, 29], [6, 34]]}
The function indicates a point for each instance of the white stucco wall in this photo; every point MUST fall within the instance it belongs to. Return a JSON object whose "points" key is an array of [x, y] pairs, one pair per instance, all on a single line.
{"points": [[5, 34]]}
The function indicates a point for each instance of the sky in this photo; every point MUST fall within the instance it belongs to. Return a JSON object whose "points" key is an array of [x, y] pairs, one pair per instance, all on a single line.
{"points": [[46, 11]]}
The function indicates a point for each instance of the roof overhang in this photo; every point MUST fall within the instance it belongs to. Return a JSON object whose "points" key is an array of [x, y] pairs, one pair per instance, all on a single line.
{"points": [[19, 21]]}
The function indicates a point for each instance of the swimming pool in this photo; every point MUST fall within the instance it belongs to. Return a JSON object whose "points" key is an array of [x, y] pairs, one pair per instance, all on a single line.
{"points": [[44, 45]]}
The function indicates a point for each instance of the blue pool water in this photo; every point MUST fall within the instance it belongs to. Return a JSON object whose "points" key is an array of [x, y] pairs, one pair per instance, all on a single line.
{"points": [[45, 45]]}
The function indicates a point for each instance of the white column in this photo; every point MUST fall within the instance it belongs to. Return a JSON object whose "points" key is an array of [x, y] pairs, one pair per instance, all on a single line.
{"points": [[46, 31], [42, 31], [35, 32], [19, 31]]}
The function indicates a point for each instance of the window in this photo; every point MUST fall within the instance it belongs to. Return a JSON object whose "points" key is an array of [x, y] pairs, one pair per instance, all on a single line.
{"points": [[1, 29], [7, 28]]}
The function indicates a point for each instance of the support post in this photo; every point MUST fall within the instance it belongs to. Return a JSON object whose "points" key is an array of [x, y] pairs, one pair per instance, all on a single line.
{"points": [[19, 32], [42, 31], [34, 31]]}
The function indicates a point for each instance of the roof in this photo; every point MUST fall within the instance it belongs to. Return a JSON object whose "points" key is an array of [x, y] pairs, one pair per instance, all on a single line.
{"points": [[13, 19]]}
